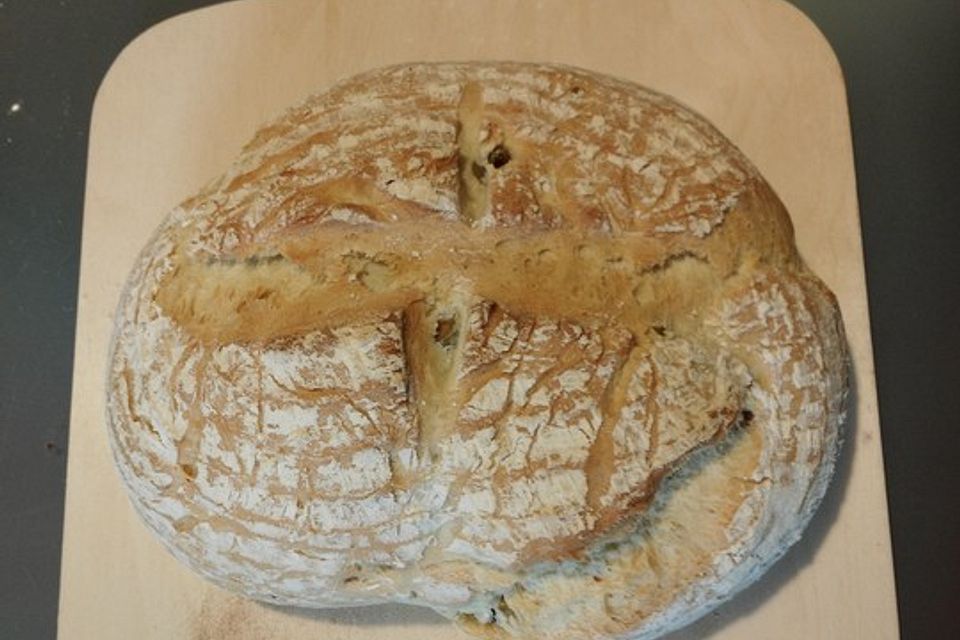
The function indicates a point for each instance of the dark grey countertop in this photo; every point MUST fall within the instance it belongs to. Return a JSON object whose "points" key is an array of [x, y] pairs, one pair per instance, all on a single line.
{"points": [[901, 60]]}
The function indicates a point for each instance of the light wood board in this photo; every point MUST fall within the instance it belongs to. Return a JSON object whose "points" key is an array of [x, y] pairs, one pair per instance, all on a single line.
{"points": [[182, 98]]}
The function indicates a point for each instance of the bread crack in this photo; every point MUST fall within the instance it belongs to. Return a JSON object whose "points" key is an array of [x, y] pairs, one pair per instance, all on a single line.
{"points": [[433, 344], [473, 195]]}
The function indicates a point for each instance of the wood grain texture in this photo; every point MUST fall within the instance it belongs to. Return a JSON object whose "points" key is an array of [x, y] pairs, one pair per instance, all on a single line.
{"points": [[181, 100]]}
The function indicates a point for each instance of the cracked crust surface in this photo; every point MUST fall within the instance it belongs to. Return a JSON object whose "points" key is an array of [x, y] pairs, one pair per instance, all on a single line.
{"points": [[522, 343]]}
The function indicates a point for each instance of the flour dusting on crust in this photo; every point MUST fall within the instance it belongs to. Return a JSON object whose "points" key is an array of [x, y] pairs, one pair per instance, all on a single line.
{"points": [[522, 343]]}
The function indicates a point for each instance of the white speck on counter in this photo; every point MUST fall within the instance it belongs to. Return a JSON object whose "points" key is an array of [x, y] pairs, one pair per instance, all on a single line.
{"points": [[16, 106]]}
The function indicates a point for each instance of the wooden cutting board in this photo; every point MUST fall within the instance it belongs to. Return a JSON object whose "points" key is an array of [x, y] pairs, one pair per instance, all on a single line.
{"points": [[182, 98]]}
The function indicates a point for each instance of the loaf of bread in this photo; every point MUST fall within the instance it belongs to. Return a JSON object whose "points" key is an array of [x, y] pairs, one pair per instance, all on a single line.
{"points": [[525, 344]]}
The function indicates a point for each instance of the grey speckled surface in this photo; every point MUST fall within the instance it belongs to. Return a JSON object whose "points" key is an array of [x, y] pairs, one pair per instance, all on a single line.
{"points": [[901, 61]]}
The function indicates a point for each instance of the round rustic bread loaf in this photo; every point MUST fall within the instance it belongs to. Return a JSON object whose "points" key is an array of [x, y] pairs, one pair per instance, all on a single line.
{"points": [[525, 344]]}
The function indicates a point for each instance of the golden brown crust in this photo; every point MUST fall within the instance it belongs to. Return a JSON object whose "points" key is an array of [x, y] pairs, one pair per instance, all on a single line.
{"points": [[500, 339]]}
